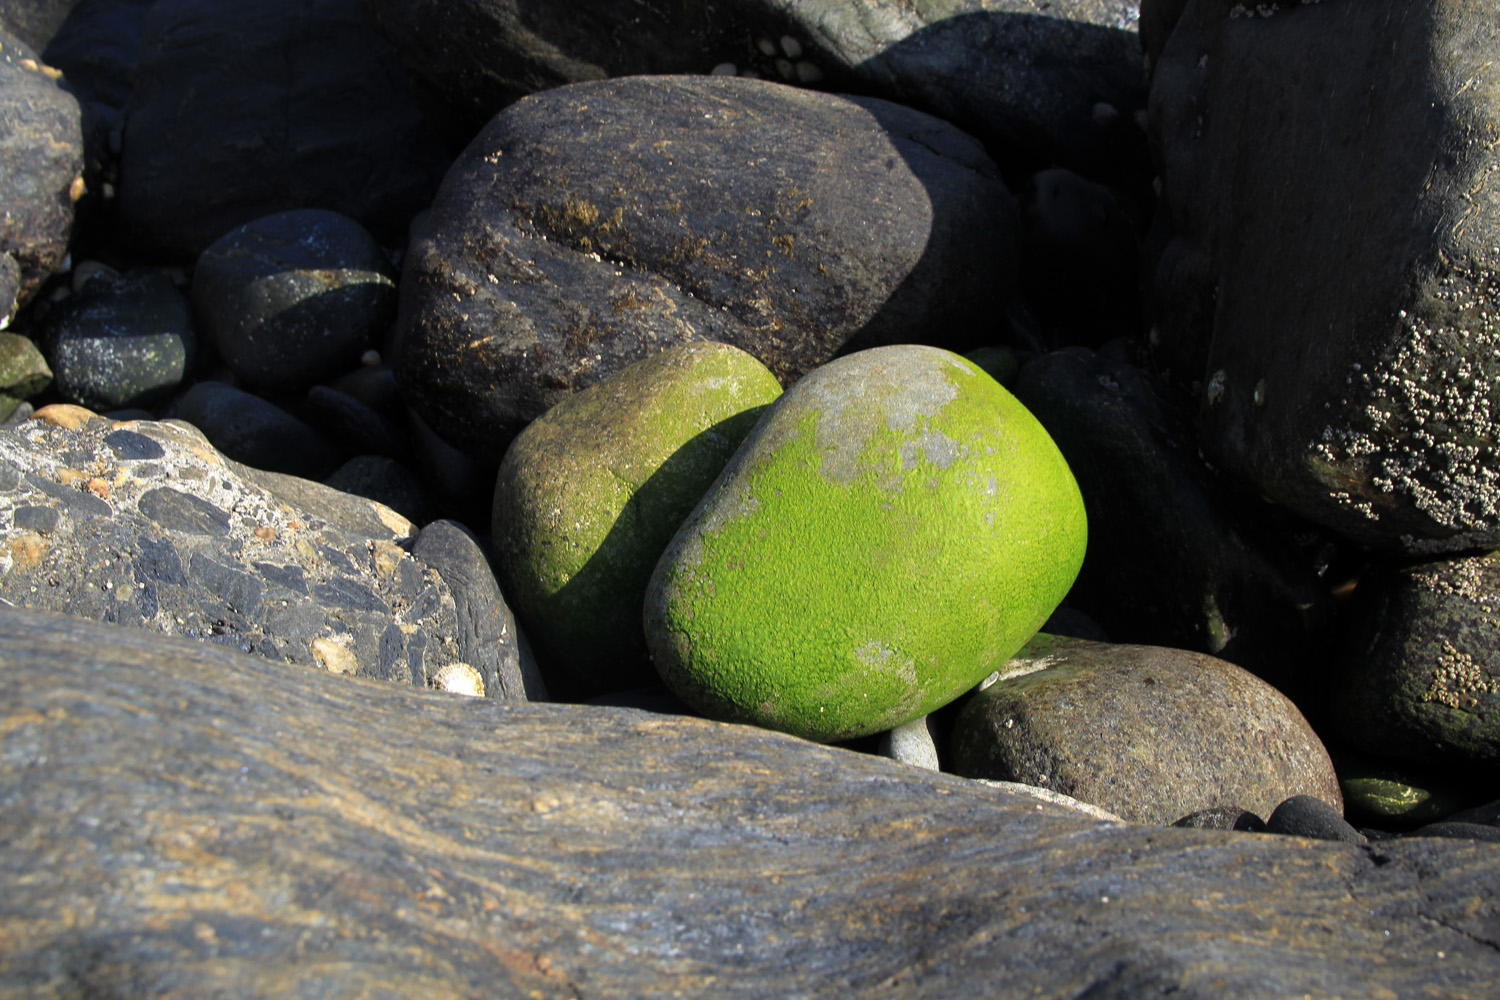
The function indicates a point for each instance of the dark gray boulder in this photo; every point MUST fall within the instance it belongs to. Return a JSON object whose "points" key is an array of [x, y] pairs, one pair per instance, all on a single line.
{"points": [[241, 110], [294, 298], [144, 524], [1175, 557], [289, 832], [590, 226], [1149, 734], [121, 341], [96, 48], [1420, 677], [34, 22], [1328, 172], [1041, 85], [41, 172], [254, 430], [1310, 816]]}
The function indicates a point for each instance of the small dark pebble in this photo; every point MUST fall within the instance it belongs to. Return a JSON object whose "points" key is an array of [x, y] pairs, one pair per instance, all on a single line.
{"points": [[1223, 818], [1308, 816]]}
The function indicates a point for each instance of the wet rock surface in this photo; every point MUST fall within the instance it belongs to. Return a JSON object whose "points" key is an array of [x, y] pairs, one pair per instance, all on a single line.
{"points": [[1356, 387], [590, 226], [144, 525], [1150, 734], [432, 842]]}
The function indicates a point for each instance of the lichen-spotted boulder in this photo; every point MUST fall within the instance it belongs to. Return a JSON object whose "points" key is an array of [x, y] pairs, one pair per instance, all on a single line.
{"points": [[590, 493], [894, 528]]}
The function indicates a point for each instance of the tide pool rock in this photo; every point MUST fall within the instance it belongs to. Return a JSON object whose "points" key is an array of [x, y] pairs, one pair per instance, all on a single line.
{"points": [[590, 494], [1149, 733], [895, 527]]}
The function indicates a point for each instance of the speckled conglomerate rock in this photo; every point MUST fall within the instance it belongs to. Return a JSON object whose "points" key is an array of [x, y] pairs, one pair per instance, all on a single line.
{"points": [[181, 819], [593, 225], [144, 524], [1329, 173]]}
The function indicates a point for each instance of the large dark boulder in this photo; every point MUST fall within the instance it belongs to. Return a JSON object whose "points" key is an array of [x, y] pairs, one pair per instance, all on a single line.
{"points": [[590, 226], [1175, 557], [242, 110], [41, 172], [1041, 85], [1328, 170], [181, 819]]}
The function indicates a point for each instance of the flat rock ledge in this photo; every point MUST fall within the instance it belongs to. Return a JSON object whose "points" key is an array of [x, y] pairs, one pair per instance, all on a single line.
{"points": [[182, 819]]}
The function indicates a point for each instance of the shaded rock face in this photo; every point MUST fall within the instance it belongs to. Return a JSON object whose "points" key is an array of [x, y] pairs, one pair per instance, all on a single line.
{"points": [[1150, 734], [367, 839], [1175, 558], [145, 525], [1421, 671], [41, 172], [241, 110], [592, 225], [1025, 81], [1347, 307]]}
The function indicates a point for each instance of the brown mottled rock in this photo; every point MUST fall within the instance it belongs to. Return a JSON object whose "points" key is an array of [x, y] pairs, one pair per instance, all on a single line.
{"points": [[41, 172], [592, 225], [1329, 172], [1149, 734], [1420, 678], [290, 833]]}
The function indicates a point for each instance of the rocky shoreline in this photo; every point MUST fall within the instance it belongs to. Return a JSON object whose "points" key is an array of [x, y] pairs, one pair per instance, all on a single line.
{"points": [[428, 347]]}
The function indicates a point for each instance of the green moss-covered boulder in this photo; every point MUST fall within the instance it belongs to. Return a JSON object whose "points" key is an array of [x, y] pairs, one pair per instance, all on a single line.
{"points": [[894, 528], [23, 372], [591, 492]]}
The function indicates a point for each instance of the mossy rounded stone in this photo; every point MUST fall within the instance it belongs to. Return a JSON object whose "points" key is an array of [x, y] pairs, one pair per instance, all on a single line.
{"points": [[894, 528], [591, 492]]}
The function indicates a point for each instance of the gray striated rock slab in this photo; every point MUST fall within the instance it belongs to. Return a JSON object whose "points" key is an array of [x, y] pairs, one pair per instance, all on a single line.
{"points": [[182, 819], [144, 524], [1329, 171]]}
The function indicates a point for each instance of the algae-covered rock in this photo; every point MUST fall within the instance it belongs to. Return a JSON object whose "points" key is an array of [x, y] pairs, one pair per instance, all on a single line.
{"points": [[590, 494], [23, 372], [894, 528]]}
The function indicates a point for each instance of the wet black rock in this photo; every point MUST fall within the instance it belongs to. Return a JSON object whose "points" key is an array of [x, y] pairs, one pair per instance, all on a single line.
{"points": [[293, 298], [1346, 306], [592, 225], [1310, 816], [242, 110], [1175, 558], [256, 431], [122, 341], [1420, 676]]}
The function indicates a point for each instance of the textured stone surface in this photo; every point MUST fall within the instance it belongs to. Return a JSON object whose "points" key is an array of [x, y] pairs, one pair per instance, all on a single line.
{"points": [[41, 169], [1421, 671], [894, 526], [145, 525], [121, 341], [1176, 558], [1150, 734], [292, 833], [23, 371], [293, 298], [254, 430], [591, 226], [241, 110], [592, 491], [1347, 305], [1025, 77]]}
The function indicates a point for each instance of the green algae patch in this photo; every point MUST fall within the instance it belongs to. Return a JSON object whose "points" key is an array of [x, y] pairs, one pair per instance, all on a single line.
{"points": [[591, 492], [895, 527]]}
